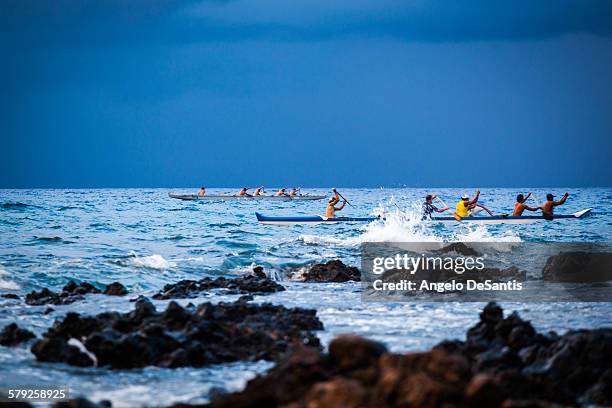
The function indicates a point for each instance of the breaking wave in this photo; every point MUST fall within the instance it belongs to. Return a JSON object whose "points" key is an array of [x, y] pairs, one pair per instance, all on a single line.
{"points": [[154, 261], [7, 284]]}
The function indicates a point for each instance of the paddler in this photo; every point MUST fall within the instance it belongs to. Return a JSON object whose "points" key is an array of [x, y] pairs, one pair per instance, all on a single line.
{"points": [[429, 208], [201, 192], [243, 192], [280, 193], [259, 191], [294, 192], [520, 205], [330, 212], [549, 206], [465, 205]]}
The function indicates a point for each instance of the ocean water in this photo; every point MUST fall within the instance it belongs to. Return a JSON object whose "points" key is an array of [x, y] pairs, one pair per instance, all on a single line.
{"points": [[144, 239]]}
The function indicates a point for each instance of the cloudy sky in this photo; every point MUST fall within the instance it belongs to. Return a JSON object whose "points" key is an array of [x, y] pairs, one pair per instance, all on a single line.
{"points": [[314, 93]]}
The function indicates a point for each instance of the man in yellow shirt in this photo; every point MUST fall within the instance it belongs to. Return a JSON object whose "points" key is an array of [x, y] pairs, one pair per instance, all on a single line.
{"points": [[465, 205]]}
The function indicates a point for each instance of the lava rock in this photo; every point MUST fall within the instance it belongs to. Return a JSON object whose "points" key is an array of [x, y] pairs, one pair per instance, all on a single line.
{"points": [[71, 292], [178, 337], [115, 289], [485, 370], [332, 271], [12, 335], [458, 248], [242, 285], [9, 296], [578, 267]]}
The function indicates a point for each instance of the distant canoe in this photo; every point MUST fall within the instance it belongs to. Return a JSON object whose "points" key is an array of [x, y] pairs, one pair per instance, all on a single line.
{"points": [[195, 197], [496, 219]]}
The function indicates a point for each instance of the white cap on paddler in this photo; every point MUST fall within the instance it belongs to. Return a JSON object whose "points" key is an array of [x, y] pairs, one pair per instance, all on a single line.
{"points": [[465, 197]]}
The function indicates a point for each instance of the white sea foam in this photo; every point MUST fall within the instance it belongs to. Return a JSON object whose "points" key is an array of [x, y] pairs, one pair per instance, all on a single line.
{"points": [[480, 233], [7, 284], [154, 261], [398, 226], [76, 343]]}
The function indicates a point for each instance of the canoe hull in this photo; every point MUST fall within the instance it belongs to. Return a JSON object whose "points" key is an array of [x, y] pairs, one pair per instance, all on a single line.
{"points": [[309, 220], [195, 197], [492, 220]]}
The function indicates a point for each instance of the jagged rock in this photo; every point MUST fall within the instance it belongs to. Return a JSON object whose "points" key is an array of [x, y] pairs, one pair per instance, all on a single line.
{"points": [[177, 337], [242, 285], [70, 293], [12, 335], [458, 248], [259, 272], [332, 271], [115, 289], [504, 362], [578, 267]]}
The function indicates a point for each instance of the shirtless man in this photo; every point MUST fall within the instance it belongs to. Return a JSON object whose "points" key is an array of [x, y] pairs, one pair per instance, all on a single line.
{"points": [[280, 192], [202, 192], [259, 191], [243, 192], [549, 206], [520, 205], [294, 192], [330, 211]]}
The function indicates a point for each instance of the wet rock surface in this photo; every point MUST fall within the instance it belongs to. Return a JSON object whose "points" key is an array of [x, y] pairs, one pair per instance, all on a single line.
{"points": [[578, 267], [253, 284], [12, 335], [71, 292], [177, 337], [332, 271], [503, 362]]}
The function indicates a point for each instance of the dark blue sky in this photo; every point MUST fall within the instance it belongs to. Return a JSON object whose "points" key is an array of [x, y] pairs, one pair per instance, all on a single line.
{"points": [[305, 92]]}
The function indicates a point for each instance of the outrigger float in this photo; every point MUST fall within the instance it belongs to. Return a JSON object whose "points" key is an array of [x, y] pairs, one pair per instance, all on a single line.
{"points": [[495, 219], [195, 197]]}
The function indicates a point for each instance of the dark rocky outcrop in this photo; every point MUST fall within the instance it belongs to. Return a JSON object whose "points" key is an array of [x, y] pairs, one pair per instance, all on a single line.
{"points": [[242, 285], [332, 271], [503, 362], [458, 248], [578, 267], [71, 292], [12, 335], [190, 336], [9, 296], [115, 289]]}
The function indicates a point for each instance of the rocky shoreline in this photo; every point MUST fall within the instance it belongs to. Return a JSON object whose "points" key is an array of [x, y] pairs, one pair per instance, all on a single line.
{"points": [[503, 361]]}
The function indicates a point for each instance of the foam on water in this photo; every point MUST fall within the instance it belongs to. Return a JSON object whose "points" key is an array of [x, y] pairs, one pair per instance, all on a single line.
{"points": [[7, 284], [145, 240], [154, 261]]}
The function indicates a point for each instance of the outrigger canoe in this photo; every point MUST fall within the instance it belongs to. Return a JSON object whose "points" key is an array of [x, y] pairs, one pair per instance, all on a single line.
{"points": [[194, 197], [495, 219]]}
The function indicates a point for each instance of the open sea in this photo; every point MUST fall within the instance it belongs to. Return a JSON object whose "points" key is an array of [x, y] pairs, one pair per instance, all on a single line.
{"points": [[144, 239]]}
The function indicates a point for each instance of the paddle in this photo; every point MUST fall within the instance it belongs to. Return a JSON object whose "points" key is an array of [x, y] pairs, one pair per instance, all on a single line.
{"points": [[442, 202], [535, 200], [341, 196]]}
